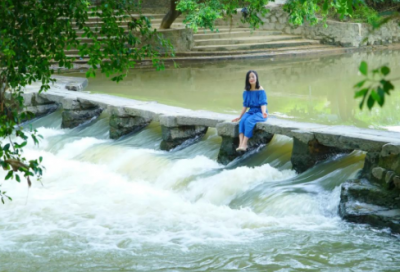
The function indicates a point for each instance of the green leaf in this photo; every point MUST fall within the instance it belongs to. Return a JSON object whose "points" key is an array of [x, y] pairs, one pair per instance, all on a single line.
{"points": [[385, 70], [375, 96], [6, 147], [381, 94], [370, 102], [9, 175], [363, 68], [17, 178], [362, 102], [360, 93], [360, 84], [387, 86]]}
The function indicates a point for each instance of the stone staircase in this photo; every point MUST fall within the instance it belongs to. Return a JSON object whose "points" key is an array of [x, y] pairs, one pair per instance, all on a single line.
{"points": [[230, 43]]}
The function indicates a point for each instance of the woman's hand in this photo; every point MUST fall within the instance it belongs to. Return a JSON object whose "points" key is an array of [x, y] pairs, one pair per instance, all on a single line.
{"points": [[236, 119], [265, 115]]}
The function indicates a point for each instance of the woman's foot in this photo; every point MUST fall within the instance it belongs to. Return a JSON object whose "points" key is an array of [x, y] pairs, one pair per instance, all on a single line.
{"points": [[240, 148]]}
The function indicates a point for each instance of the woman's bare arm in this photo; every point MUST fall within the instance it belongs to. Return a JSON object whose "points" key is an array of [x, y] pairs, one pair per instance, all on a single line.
{"points": [[241, 114], [264, 111]]}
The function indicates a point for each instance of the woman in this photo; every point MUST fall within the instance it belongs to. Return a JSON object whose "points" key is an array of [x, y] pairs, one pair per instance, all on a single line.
{"points": [[254, 97]]}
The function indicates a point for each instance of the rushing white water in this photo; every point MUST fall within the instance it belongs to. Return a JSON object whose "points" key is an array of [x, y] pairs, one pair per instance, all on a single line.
{"points": [[125, 205]]}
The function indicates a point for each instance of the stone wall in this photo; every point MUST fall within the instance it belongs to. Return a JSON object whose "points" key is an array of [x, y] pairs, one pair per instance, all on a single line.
{"points": [[337, 33], [181, 39], [157, 6], [352, 34], [387, 34]]}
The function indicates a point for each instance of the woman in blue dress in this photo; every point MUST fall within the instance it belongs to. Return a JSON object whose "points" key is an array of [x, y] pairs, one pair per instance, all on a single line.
{"points": [[254, 97]]}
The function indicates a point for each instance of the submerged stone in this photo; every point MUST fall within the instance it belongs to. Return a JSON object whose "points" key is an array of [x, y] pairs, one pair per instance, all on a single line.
{"points": [[71, 119], [77, 112], [365, 202], [306, 154], [228, 153], [175, 136], [120, 126], [379, 173]]}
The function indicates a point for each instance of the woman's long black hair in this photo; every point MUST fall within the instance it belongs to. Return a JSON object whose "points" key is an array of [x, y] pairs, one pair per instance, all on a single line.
{"points": [[247, 85]]}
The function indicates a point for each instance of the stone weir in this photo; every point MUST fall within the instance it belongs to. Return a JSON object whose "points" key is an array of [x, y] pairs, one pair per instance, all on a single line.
{"points": [[373, 197]]}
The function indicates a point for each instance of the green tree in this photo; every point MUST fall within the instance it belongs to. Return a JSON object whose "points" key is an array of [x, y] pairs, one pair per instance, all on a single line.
{"points": [[376, 84], [204, 13], [35, 33]]}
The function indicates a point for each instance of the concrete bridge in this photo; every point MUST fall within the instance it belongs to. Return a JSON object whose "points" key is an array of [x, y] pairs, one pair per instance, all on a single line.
{"points": [[311, 142], [373, 197]]}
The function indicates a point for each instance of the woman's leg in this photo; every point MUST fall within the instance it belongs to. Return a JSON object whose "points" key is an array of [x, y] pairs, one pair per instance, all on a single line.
{"points": [[244, 142], [241, 136], [249, 127], [242, 127]]}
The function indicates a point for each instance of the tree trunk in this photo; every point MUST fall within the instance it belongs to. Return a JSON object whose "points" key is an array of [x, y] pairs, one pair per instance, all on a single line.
{"points": [[170, 17]]}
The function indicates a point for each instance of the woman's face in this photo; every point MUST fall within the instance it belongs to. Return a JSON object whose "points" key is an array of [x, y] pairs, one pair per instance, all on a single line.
{"points": [[252, 78]]}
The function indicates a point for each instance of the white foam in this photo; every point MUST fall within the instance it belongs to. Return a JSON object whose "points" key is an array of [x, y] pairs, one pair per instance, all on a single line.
{"points": [[114, 194], [89, 199], [392, 128], [180, 171], [223, 187], [77, 147]]}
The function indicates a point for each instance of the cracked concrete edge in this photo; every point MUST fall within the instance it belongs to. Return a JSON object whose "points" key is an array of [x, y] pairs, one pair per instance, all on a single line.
{"points": [[303, 136], [228, 129], [168, 121], [349, 142], [197, 121]]}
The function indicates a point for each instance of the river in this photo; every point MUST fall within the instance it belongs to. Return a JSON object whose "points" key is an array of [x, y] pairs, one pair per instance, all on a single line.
{"points": [[125, 205]]}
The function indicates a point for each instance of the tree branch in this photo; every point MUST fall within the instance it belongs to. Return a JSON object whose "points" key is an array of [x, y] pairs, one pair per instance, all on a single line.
{"points": [[16, 164], [170, 17]]}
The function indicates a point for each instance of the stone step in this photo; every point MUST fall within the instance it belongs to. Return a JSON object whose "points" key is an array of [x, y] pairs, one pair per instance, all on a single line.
{"points": [[253, 51], [276, 53], [151, 16], [193, 54], [245, 40], [279, 54], [159, 19], [245, 46], [124, 24], [154, 18], [234, 34]]}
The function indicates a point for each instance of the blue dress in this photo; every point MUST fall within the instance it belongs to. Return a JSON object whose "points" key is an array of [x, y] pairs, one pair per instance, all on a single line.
{"points": [[253, 100]]}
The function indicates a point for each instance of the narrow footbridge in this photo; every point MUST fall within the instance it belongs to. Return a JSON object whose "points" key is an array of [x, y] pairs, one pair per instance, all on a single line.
{"points": [[312, 143], [372, 197]]}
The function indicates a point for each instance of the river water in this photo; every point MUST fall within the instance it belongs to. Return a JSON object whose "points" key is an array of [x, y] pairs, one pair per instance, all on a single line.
{"points": [[125, 205], [318, 90]]}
